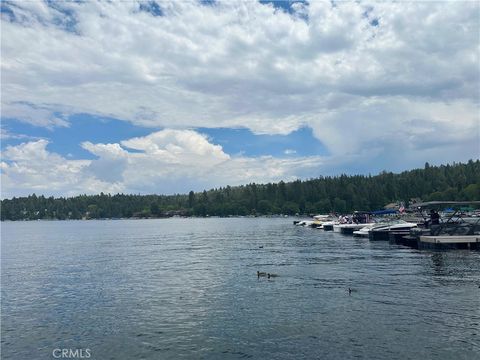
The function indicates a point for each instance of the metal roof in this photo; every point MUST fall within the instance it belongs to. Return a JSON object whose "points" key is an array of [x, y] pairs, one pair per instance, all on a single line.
{"points": [[442, 203]]}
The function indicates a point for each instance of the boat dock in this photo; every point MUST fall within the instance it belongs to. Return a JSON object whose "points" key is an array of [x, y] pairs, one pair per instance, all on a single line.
{"points": [[471, 242], [453, 231]]}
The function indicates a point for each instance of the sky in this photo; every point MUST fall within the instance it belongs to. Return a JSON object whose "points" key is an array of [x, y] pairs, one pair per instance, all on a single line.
{"points": [[170, 96]]}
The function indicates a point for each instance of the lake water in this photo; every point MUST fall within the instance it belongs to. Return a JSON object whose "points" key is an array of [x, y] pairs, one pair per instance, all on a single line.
{"points": [[187, 288]]}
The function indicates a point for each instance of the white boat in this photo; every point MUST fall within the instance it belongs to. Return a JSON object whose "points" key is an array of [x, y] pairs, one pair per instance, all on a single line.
{"points": [[336, 227], [320, 220], [382, 231], [322, 217], [304, 223], [364, 231], [350, 228]]}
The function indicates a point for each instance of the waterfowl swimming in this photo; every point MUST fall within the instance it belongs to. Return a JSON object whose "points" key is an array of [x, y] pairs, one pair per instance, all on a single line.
{"points": [[349, 291], [260, 247], [271, 275], [261, 273]]}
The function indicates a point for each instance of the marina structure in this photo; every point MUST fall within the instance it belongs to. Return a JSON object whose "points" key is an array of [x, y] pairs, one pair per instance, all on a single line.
{"points": [[424, 228]]}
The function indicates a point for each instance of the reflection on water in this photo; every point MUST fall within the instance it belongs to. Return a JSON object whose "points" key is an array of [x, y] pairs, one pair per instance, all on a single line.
{"points": [[188, 288]]}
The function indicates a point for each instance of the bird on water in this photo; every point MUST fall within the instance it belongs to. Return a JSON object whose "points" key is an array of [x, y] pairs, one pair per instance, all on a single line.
{"points": [[261, 273]]}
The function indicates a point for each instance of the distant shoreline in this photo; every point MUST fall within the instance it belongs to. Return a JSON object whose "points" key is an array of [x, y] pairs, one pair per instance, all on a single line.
{"points": [[165, 218], [324, 195]]}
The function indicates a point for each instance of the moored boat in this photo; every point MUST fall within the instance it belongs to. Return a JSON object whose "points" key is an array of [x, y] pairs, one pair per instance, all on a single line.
{"points": [[382, 232], [348, 229], [453, 231], [328, 226], [364, 231], [319, 221]]}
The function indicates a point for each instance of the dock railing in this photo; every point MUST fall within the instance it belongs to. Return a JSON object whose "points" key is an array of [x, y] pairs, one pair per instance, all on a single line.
{"points": [[454, 224]]}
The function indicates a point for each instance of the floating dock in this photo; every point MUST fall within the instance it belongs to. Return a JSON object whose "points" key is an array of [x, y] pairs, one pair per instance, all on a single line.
{"points": [[471, 242]]}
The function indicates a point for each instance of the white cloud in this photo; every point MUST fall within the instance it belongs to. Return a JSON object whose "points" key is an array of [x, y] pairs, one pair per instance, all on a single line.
{"points": [[378, 122], [8, 135], [177, 146], [44, 116], [397, 81], [30, 167], [235, 63], [176, 161], [167, 161]]}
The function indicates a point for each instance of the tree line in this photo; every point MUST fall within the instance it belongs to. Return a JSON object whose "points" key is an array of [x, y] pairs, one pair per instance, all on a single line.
{"points": [[340, 194]]}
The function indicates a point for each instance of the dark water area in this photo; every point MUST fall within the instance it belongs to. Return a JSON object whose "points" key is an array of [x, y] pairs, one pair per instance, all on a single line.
{"points": [[187, 288]]}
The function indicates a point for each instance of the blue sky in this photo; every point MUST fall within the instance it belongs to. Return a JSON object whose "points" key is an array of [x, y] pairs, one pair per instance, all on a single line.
{"points": [[167, 96], [300, 142], [66, 140]]}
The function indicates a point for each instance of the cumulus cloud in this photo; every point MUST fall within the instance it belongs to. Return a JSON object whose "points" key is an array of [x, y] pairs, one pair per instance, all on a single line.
{"points": [[30, 167], [234, 63], [394, 81], [168, 161], [176, 161]]}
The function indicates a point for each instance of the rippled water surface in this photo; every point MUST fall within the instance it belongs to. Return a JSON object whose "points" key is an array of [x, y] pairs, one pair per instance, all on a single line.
{"points": [[187, 288]]}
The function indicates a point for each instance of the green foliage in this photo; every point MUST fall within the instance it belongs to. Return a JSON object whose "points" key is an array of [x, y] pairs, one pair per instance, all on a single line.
{"points": [[290, 208], [342, 194], [264, 207]]}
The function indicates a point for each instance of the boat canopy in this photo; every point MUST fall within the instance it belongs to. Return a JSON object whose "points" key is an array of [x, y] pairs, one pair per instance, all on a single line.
{"points": [[384, 212], [452, 204]]}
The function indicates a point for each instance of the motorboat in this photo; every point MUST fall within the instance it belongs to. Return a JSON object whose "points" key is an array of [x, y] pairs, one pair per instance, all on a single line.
{"points": [[364, 231], [383, 231], [348, 229], [328, 225], [452, 231], [304, 223], [319, 221]]}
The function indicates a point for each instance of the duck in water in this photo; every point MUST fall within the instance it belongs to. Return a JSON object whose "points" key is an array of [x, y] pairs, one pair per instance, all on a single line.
{"points": [[271, 275], [261, 273]]}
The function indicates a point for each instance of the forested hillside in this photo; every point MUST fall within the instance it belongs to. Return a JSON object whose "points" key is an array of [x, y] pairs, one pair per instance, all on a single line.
{"points": [[341, 194]]}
